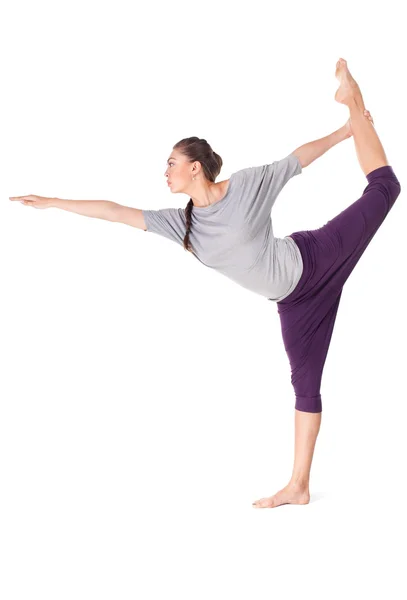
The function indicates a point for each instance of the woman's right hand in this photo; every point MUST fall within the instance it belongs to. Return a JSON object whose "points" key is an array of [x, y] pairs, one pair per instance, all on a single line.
{"points": [[35, 201]]}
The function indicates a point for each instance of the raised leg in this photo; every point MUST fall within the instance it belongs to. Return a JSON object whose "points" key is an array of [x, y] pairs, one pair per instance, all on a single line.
{"points": [[369, 150]]}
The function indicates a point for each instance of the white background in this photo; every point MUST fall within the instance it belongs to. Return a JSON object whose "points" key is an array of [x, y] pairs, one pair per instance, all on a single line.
{"points": [[146, 400]]}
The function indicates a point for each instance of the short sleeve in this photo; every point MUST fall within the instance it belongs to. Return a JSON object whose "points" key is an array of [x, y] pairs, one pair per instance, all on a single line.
{"points": [[286, 168], [261, 185], [168, 222]]}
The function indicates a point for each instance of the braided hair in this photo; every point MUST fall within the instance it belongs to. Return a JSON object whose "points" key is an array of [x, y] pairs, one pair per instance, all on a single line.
{"points": [[198, 149]]}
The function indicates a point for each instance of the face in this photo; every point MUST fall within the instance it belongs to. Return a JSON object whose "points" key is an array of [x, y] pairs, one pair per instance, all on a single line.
{"points": [[179, 172]]}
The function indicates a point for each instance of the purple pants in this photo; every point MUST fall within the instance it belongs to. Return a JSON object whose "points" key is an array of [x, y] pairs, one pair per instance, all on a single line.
{"points": [[329, 255]]}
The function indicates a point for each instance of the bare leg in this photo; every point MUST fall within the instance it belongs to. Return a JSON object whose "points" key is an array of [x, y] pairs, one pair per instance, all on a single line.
{"points": [[297, 491], [306, 431], [369, 149]]}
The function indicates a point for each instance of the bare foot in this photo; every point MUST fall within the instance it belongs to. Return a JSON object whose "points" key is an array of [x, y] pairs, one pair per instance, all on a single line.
{"points": [[348, 90], [291, 494]]}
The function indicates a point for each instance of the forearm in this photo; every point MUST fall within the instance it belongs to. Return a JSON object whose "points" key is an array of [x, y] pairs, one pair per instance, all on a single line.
{"points": [[99, 209], [313, 150]]}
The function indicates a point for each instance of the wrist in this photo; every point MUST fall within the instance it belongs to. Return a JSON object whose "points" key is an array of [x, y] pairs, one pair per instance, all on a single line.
{"points": [[344, 132], [338, 136]]}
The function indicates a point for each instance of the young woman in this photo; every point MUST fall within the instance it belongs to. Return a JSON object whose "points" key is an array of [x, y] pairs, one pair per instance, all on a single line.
{"points": [[227, 226]]}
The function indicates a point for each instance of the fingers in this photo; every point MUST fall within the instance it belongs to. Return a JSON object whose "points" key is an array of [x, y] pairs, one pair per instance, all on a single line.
{"points": [[26, 200], [30, 198], [368, 115]]}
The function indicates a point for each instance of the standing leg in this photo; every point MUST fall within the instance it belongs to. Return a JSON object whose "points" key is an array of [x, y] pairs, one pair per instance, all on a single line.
{"points": [[306, 431], [297, 490], [306, 343]]}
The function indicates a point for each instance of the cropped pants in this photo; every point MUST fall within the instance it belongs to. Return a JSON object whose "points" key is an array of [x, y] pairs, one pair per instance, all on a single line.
{"points": [[329, 256]]}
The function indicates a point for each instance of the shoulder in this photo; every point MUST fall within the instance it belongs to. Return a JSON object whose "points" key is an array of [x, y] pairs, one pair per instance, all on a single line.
{"points": [[289, 165]]}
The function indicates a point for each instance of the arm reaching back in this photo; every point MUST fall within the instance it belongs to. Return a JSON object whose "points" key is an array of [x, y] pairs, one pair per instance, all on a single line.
{"points": [[313, 150], [309, 152]]}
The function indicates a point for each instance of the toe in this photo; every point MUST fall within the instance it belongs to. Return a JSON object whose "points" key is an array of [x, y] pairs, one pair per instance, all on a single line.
{"points": [[260, 503], [267, 502]]}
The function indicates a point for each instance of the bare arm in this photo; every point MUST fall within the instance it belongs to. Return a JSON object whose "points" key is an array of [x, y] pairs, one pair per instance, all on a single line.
{"points": [[309, 152], [129, 216], [103, 209], [99, 209]]}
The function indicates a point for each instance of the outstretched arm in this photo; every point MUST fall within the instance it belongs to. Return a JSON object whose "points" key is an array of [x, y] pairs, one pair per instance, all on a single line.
{"points": [[99, 209]]}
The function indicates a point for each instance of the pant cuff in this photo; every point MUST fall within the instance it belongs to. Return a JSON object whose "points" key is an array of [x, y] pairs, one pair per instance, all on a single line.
{"points": [[312, 404]]}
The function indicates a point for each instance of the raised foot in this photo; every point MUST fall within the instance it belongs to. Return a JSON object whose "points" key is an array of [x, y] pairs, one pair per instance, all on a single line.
{"points": [[348, 90], [291, 494]]}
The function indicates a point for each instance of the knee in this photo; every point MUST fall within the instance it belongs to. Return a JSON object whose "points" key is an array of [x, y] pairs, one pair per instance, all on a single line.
{"points": [[385, 184], [392, 183], [395, 185], [390, 188]]}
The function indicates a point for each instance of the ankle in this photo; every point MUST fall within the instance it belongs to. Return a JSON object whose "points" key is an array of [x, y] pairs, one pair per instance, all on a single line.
{"points": [[299, 482]]}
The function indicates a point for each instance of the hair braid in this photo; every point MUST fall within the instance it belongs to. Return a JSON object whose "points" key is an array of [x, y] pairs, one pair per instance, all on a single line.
{"points": [[188, 213], [196, 149]]}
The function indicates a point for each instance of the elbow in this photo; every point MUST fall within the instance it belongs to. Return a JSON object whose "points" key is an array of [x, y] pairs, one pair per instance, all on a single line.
{"points": [[115, 212]]}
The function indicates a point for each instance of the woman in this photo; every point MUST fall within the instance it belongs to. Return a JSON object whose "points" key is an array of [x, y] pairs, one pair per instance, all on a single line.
{"points": [[227, 226]]}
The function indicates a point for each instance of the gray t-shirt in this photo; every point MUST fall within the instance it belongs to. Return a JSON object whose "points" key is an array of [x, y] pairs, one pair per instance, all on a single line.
{"points": [[234, 235]]}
